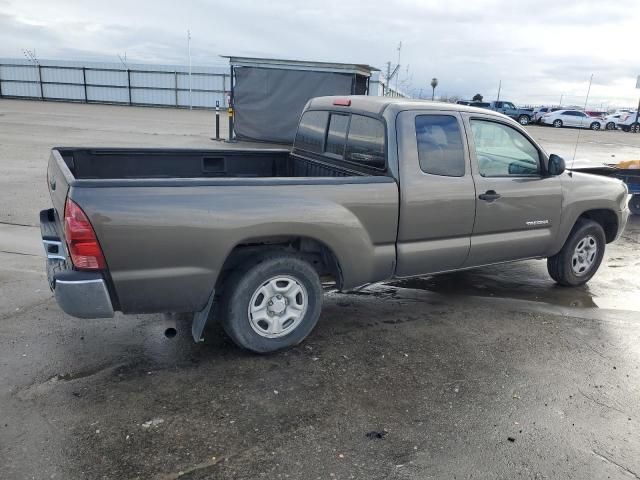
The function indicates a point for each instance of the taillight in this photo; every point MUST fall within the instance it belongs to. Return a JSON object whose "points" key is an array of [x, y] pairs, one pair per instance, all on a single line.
{"points": [[84, 248]]}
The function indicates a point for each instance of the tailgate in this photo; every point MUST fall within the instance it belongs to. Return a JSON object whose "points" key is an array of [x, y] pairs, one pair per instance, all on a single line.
{"points": [[59, 178]]}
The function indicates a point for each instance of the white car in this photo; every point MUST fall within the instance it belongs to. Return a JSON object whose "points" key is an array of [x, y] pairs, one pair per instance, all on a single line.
{"points": [[540, 111], [629, 123], [572, 118], [611, 121]]}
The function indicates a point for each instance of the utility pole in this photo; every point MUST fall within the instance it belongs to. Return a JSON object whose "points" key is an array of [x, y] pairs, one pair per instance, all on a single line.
{"points": [[123, 60], [499, 88], [189, 53], [31, 56], [388, 78], [561, 95], [399, 51]]}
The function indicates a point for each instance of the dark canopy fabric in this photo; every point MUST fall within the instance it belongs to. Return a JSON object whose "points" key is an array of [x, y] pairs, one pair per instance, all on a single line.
{"points": [[268, 102]]}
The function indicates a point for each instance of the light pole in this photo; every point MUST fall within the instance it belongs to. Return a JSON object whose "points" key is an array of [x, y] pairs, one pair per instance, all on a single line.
{"points": [[189, 53], [434, 84]]}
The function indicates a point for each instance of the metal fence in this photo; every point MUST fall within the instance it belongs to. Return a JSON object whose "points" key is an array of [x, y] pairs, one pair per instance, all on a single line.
{"points": [[142, 85]]}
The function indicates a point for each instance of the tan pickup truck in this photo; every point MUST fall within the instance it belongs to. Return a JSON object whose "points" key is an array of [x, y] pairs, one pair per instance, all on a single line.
{"points": [[373, 189]]}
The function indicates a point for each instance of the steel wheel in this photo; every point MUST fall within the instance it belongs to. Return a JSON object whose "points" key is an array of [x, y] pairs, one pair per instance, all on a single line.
{"points": [[584, 255], [278, 306]]}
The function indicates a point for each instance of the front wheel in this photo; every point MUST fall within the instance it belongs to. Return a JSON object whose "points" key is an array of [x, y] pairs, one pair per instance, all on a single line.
{"points": [[271, 302], [524, 119], [557, 123], [634, 204], [595, 126], [580, 256], [611, 126], [635, 128]]}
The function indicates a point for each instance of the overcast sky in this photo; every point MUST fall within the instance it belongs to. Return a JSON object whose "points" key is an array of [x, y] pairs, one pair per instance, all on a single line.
{"points": [[540, 49]]}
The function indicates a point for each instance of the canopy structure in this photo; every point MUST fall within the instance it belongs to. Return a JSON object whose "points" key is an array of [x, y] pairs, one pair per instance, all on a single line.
{"points": [[268, 94]]}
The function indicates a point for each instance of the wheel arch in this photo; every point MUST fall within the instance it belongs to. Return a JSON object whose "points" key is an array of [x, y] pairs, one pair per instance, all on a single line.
{"points": [[607, 219], [321, 256]]}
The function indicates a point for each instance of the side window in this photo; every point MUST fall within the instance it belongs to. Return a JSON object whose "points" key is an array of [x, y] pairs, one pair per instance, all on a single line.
{"points": [[365, 143], [503, 151], [440, 150], [498, 104], [336, 134], [311, 131]]}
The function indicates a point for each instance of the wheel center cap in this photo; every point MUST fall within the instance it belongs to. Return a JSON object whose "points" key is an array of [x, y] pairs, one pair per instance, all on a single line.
{"points": [[277, 305]]}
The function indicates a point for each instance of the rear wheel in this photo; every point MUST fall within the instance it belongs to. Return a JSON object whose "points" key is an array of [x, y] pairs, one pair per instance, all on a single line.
{"points": [[634, 204], [611, 126], [635, 127], [595, 126], [271, 302], [557, 123], [580, 256], [524, 119]]}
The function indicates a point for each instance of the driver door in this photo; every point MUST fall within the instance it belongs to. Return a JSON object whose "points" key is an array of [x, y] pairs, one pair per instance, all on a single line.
{"points": [[517, 205]]}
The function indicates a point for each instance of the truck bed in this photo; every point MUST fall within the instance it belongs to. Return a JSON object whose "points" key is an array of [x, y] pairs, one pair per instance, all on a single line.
{"points": [[114, 164]]}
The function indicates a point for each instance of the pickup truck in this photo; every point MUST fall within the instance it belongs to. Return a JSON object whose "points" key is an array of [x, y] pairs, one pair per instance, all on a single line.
{"points": [[372, 189], [524, 116]]}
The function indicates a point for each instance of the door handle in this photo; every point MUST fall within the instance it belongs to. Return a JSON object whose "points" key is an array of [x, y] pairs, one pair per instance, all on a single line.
{"points": [[489, 196]]}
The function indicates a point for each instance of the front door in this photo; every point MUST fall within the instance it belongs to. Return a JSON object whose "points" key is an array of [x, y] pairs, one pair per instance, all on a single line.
{"points": [[437, 195], [517, 206]]}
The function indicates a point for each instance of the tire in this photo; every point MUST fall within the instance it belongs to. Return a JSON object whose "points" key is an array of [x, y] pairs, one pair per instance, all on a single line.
{"points": [[524, 119], [566, 267], [634, 204], [610, 126], [255, 324], [595, 126], [635, 127], [557, 123]]}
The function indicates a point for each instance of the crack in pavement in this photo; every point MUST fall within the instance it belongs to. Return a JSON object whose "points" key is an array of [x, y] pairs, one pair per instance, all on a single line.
{"points": [[602, 404], [4, 222], [20, 253], [613, 462]]}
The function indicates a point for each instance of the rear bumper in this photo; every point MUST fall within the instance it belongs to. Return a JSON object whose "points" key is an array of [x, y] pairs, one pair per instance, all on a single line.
{"points": [[83, 294], [80, 294]]}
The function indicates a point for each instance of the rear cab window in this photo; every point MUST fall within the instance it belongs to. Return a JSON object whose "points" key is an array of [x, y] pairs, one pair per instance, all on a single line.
{"points": [[311, 131], [346, 137]]}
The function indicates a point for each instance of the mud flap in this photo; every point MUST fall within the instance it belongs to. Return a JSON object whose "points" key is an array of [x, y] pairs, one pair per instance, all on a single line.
{"points": [[200, 320]]}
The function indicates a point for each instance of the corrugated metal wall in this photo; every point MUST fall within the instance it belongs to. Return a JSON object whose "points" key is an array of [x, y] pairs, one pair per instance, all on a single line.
{"points": [[135, 84]]}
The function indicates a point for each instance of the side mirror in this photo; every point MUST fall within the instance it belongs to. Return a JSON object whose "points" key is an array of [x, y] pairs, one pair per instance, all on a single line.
{"points": [[556, 165]]}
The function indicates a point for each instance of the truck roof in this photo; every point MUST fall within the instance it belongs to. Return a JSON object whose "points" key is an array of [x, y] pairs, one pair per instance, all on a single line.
{"points": [[377, 105]]}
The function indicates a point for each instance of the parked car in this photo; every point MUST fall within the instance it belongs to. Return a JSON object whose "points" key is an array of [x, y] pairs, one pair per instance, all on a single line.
{"points": [[596, 113], [540, 111], [522, 115], [629, 122], [374, 188], [572, 118], [611, 121]]}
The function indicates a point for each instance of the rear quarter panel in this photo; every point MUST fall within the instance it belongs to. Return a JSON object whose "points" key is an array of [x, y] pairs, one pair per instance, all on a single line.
{"points": [[166, 245]]}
